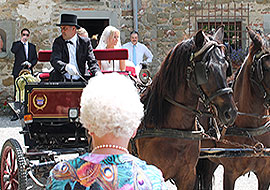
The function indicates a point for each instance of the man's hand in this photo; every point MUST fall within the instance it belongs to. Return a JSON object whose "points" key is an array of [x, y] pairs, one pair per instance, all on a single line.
{"points": [[144, 65], [71, 69], [26, 63]]}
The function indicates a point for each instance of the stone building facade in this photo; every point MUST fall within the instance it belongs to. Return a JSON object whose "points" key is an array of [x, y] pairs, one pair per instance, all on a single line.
{"points": [[161, 23]]}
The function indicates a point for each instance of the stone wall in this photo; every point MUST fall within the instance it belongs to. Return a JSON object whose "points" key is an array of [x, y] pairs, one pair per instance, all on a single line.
{"points": [[161, 23]]}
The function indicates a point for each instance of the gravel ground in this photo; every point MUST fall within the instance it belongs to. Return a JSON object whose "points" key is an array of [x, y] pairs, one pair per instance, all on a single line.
{"points": [[10, 129]]}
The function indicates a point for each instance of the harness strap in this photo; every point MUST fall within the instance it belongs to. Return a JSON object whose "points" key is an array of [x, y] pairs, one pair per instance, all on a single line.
{"points": [[247, 132], [253, 115], [194, 111], [219, 93], [171, 133]]}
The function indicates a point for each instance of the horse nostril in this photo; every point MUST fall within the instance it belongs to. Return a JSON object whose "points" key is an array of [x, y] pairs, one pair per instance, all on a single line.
{"points": [[227, 115], [230, 115]]}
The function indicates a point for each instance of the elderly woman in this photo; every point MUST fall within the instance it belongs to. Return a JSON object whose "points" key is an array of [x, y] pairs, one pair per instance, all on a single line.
{"points": [[110, 39], [111, 111]]}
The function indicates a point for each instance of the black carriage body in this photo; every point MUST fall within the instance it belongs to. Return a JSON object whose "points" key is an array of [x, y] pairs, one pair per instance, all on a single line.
{"points": [[50, 128]]}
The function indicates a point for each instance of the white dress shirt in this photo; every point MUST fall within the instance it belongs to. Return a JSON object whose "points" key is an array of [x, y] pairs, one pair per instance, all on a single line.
{"points": [[72, 56], [141, 51]]}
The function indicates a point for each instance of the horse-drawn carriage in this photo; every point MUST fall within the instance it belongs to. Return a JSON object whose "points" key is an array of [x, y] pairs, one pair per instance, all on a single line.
{"points": [[49, 114], [191, 77]]}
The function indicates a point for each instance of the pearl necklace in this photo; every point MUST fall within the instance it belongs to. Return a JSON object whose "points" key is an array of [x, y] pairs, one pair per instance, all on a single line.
{"points": [[111, 146]]}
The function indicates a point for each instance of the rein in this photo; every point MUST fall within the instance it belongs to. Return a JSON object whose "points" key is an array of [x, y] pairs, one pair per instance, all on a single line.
{"points": [[248, 132]]}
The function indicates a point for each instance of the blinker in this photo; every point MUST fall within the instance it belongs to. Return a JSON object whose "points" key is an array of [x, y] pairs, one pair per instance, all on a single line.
{"points": [[200, 73]]}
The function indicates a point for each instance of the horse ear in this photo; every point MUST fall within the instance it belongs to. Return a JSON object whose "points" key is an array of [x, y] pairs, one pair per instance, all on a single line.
{"points": [[199, 39], [219, 35], [255, 37]]}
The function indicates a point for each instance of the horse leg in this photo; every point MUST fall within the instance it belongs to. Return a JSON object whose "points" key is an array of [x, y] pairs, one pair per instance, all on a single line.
{"points": [[187, 183], [229, 179], [205, 171], [263, 181]]}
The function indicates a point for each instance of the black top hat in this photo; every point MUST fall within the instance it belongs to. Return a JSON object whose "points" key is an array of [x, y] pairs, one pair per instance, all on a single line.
{"points": [[69, 20]]}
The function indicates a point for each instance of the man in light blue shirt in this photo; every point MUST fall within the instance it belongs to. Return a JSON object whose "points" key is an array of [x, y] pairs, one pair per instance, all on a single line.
{"points": [[137, 51]]}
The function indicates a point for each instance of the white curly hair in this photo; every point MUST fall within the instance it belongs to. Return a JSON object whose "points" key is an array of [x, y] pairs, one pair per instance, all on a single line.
{"points": [[110, 103]]}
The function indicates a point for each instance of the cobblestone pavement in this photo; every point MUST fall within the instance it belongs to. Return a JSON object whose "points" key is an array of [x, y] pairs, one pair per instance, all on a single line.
{"points": [[10, 129]]}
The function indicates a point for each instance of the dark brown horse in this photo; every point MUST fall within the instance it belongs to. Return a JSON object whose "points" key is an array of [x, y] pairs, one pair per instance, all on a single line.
{"points": [[193, 69], [252, 96]]}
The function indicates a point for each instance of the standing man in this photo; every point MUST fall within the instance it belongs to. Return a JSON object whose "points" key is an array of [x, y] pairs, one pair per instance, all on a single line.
{"points": [[25, 57], [25, 54], [137, 51], [70, 52]]}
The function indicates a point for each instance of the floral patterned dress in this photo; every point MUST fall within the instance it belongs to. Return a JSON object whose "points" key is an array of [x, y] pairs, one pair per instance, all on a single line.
{"points": [[105, 172]]}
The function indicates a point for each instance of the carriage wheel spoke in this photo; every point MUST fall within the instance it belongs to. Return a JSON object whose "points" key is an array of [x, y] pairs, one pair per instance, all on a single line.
{"points": [[13, 161], [15, 181], [10, 157], [14, 184], [7, 164], [16, 172], [6, 185]]}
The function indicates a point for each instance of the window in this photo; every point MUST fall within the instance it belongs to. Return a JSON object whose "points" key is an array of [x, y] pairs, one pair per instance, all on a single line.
{"points": [[208, 16], [234, 16]]}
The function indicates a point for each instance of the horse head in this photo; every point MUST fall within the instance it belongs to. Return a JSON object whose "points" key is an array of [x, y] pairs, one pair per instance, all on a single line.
{"points": [[259, 61], [210, 67], [195, 68]]}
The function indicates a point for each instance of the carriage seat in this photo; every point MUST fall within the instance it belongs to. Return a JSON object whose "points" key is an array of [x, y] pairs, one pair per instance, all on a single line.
{"points": [[100, 54], [44, 56]]}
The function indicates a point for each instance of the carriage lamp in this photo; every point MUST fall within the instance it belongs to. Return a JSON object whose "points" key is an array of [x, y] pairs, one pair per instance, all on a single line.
{"points": [[73, 113], [28, 118]]}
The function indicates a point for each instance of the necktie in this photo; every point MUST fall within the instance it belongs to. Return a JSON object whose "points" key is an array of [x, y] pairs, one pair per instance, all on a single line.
{"points": [[26, 50], [134, 55]]}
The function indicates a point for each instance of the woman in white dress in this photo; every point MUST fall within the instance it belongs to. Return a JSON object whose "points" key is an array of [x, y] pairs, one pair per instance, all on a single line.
{"points": [[110, 39]]}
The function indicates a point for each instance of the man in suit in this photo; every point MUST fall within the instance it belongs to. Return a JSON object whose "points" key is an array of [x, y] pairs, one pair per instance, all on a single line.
{"points": [[25, 54], [25, 57], [70, 52]]}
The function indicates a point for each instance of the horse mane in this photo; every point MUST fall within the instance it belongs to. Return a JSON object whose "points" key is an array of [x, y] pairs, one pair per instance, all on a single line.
{"points": [[166, 82], [249, 58]]}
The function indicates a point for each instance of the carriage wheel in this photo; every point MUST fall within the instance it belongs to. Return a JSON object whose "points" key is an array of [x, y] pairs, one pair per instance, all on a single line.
{"points": [[13, 175]]}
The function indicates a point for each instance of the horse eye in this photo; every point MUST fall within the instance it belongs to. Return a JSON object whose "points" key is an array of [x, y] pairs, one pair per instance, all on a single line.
{"points": [[223, 60]]}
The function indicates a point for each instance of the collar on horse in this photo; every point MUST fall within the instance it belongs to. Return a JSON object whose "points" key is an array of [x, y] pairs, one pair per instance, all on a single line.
{"points": [[167, 133]]}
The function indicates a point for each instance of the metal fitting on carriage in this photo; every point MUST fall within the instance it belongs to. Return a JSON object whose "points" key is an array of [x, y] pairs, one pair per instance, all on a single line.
{"points": [[73, 114]]}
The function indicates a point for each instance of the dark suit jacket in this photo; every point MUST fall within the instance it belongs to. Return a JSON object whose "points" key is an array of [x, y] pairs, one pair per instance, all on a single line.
{"points": [[60, 57], [20, 57]]}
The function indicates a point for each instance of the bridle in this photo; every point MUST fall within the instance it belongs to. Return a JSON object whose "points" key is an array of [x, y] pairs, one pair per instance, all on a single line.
{"points": [[199, 70], [178, 133], [257, 67]]}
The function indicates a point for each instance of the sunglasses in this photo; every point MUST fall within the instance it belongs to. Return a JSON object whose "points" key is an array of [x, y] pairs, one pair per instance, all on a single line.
{"points": [[25, 35]]}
